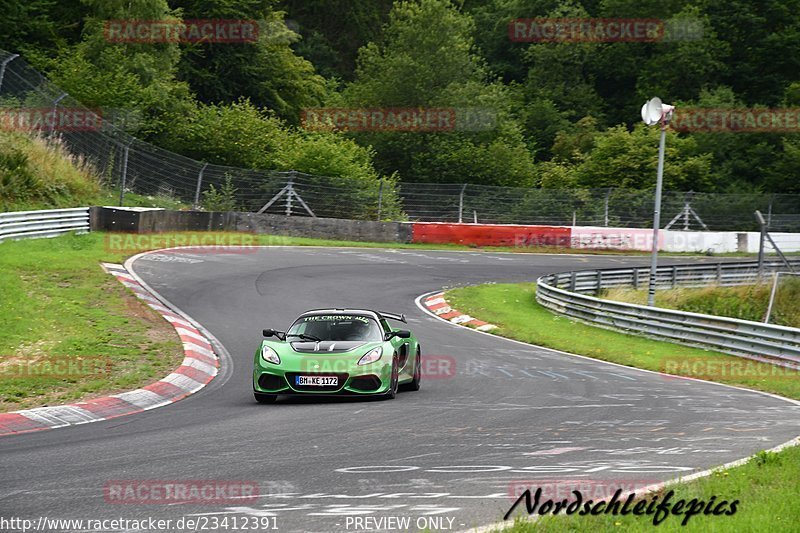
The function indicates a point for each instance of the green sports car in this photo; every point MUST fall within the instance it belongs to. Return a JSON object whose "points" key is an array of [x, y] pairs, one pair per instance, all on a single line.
{"points": [[341, 352]]}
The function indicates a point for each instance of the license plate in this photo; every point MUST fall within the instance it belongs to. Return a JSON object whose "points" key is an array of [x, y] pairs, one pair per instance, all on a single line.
{"points": [[316, 381]]}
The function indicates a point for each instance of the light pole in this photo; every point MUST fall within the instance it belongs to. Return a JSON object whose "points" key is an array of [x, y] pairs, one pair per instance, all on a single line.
{"points": [[653, 112]]}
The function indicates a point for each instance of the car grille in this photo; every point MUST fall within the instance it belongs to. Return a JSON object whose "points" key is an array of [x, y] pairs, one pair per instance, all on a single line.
{"points": [[271, 382], [366, 383]]}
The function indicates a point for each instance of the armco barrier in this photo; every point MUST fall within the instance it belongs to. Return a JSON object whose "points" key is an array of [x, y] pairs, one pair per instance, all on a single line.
{"points": [[491, 234], [50, 223], [566, 293]]}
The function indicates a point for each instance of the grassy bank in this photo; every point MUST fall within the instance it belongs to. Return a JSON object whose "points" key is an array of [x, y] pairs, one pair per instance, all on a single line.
{"points": [[748, 302], [40, 174], [766, 487], [36, 173]]}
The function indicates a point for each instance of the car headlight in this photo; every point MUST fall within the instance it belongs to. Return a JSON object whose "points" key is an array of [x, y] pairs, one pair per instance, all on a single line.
{"points": [[269, 355], [371, 356]]}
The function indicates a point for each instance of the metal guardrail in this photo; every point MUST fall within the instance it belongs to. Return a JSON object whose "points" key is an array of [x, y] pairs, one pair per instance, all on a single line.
{"points": [[570, 293], [48, 223]]}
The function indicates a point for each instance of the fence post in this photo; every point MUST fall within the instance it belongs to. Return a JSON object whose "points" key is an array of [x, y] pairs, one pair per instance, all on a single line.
{"points": [[380, 198], [199, 185], [5, 62], [772, 296], [769, 210], [55, 111], [687, 206], [461, 203], [124, 177], [763, 225], [605, 216], [290, 193]]}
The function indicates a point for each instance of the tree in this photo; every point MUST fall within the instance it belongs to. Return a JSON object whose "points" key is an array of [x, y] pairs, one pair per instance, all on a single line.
{"points": [[125, 76], [37, 29], [764, 40], [333, 48], [267, 72], [561, 73], [627, 159], [427, 58]]}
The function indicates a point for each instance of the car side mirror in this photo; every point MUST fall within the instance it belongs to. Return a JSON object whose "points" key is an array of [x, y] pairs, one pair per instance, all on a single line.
{"points": [[402, 333], [274, 333]]}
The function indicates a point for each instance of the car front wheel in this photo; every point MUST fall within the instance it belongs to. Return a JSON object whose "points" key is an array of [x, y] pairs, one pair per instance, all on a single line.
{"points": [[391, 394], [415, 383]]}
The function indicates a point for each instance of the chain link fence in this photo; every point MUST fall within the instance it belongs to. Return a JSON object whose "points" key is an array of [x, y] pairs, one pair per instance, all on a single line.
{"points": [[132, 165], [597, 207]]}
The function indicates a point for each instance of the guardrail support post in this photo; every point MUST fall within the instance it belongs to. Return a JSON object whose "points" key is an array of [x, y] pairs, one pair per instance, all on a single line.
{"points": [[674, 277], [573, 279], [599, 282], [636, 278]]}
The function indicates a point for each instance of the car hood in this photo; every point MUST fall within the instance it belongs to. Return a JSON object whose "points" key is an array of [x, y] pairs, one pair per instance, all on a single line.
{"points": [[323, 347]]}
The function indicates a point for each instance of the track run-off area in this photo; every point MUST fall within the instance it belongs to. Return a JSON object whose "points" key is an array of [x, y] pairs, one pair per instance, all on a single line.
{"points": [[492, 416]]}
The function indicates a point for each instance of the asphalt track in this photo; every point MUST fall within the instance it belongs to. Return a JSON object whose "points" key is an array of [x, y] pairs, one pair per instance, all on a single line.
{"points": [[508, 414]]}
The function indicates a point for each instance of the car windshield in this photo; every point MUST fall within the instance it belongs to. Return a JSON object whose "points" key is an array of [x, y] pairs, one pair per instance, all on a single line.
{"points": [[335, 328]]}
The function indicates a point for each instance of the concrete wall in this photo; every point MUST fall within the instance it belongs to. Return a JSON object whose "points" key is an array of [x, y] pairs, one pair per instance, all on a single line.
{"points": [[491, 234], [590, 238], [160, 221], [598, 238]]}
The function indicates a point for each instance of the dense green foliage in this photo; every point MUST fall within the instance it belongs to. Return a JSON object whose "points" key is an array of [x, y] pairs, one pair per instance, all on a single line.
{"points": [[563, 114]]}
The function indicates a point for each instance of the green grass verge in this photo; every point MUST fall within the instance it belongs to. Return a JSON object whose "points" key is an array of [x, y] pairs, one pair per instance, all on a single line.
{"points": [[56, 301], [767, 487], [513, 308]]}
